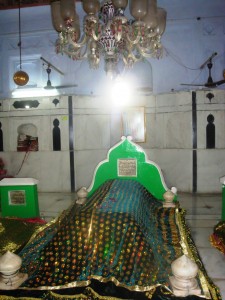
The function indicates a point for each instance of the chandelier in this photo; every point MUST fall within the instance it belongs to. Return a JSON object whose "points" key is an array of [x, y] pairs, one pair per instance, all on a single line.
{"points": [[108, 33]]}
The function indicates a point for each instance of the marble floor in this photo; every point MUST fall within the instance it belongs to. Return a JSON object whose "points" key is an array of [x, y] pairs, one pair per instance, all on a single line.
{"points": [[203, 213]]}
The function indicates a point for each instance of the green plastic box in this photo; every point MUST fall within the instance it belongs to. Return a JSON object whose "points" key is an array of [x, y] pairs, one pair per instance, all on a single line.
{"points": [[19, 197]]}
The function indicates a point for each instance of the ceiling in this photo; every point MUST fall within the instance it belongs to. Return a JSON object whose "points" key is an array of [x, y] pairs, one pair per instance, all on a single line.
{"points": [[11, 4], [187, 40], [175, 8]]}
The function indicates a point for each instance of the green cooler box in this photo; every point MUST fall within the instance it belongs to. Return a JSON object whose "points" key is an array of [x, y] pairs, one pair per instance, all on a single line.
{"points": [[19, 197]]}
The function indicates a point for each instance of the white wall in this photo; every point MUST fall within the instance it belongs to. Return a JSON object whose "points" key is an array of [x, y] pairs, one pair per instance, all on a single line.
{"points": [[175, 113], [97, 127], [195, 30]]}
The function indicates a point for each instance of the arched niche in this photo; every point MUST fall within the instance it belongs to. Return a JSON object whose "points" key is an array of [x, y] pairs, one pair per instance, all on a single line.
{"points": [[27, 139], [210, 132]]}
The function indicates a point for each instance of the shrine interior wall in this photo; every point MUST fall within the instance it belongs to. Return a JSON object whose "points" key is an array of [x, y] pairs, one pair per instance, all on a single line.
{"points": [[175, 137]]}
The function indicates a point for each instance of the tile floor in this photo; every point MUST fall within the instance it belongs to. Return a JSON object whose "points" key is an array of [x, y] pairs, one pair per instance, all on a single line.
{"points": [[203, 213]]}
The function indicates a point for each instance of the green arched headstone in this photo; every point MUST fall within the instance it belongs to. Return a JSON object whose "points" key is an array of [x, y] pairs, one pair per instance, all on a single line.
{"points": [[127, 160]]}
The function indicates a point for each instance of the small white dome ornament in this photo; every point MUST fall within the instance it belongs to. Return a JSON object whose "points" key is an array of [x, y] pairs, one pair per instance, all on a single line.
{"points": [[10, 278], [82, 195], [168, 196], [184, 282]]}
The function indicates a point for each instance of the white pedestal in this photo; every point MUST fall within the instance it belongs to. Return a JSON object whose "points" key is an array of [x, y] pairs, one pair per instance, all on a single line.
{"points": [[12, 282]]}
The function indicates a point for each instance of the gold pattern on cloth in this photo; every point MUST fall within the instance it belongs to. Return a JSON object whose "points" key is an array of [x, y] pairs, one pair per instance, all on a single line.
{"points": [[89, 294], [127, 243], [106, 241], [217, 239], [209, 289], [15, 233]]}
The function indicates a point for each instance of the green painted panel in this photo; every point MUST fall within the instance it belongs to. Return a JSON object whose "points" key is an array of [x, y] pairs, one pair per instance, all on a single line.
{"points": [[19, 201], [147, 172]]}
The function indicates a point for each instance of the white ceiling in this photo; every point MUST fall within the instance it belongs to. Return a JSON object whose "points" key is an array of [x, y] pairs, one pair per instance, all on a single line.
{"points": [[40, 16], [188, 43]]}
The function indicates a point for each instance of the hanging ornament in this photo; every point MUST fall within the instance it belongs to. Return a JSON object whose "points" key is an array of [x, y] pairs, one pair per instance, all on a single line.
{"points": [[20, 78]]}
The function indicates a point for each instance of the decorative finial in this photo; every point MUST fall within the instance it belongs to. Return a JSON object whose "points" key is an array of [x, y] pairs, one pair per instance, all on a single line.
{"points": [[184, 282], [10, 277], [168, 196], [82, 195]]}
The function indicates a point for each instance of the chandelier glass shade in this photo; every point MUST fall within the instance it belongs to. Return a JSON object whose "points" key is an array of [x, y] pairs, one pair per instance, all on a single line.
{"points": [[108, 33]]}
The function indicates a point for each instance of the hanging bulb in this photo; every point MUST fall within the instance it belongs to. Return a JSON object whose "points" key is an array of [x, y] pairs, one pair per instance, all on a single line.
{"points": [[91, 7], [161, 21], [150, 19], [122, 4], [57, 20], [138, 9], [21, 78]]}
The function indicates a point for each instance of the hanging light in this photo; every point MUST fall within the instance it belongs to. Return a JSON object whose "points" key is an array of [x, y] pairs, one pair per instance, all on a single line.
{"points": [[20, 77], [108, 33]]}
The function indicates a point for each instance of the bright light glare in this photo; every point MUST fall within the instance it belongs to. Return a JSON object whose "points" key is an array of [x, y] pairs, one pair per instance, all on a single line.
{"points": [[33, 92], [121, 92]]}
